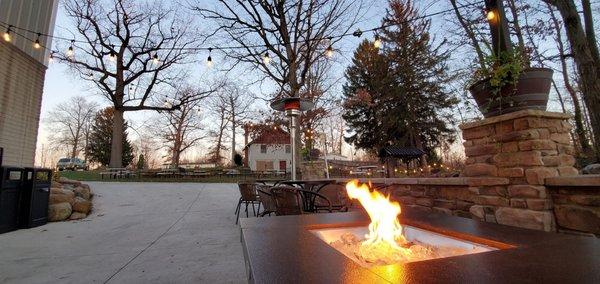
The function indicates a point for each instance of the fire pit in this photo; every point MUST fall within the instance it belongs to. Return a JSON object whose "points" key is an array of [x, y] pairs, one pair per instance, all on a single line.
{"points": [[421, 245], [385, 241], [409, 246]]}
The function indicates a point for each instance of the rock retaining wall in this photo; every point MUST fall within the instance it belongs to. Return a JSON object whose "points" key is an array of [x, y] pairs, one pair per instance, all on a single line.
{"points": [[69, 200]]}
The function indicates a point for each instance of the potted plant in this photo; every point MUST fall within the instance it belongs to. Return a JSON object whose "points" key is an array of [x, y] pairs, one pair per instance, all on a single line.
{"points": [[508, 85]]}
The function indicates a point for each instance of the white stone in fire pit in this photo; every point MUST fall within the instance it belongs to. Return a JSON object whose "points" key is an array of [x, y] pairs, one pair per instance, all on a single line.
{"points": [[431, 245]]}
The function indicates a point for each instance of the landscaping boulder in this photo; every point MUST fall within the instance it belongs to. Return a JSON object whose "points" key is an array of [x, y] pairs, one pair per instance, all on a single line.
{"points": [[81, 205], [69, 200], [59, 212], [77, 216]]}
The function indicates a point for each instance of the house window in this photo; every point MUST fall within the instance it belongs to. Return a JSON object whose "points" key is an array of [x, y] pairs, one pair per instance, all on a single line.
{"points": [[288, 149], [263, 148]]}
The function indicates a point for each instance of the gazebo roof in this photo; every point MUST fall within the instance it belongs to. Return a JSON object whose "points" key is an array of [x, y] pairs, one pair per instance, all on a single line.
{"points": [[401, 152]]}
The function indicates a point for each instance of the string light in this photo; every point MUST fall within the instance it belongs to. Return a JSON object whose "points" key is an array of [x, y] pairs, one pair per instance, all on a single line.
{"points": [[7, 34], [37, 44], [490, 15], [329, 52], [209, 62], [70, 51], [266, 58], [377, 42], [155, 58], [51, 58]]}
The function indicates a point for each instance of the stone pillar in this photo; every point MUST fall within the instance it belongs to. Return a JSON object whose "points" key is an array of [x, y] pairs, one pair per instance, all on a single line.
{"points": [[526, 147]]}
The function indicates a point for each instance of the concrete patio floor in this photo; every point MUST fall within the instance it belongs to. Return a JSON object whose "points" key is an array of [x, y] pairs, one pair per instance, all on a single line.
{"points": [[137, 233]]}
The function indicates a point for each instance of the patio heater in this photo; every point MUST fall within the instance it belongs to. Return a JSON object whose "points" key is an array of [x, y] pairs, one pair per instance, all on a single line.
{"points": [[292, 107]]}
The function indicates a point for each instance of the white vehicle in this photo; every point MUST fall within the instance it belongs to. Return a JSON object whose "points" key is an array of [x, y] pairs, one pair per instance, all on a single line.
{"points": [[71, 164]]}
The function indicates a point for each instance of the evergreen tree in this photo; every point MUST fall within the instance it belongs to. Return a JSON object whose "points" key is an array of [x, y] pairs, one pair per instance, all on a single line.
{"points": [[99, 145], [367, 82], [141, 163], [397, 96]]}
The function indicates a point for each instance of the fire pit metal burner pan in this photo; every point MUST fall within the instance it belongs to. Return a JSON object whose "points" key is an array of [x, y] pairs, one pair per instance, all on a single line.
{"points": [[286, 250]]}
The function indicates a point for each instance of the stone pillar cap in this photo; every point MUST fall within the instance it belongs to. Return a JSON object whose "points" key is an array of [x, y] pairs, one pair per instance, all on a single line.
{"points": [[515, 115]]}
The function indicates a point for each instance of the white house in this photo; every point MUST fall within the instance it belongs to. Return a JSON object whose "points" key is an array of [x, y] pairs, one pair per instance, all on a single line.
{"points": [[270, 151]]}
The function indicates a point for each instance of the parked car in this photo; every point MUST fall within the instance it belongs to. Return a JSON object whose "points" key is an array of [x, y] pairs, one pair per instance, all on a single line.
{"points": [[71, 164]]}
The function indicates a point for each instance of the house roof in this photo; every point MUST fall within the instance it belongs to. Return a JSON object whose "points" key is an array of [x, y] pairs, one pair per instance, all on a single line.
{"points": [[401, 152], [272, 136]]}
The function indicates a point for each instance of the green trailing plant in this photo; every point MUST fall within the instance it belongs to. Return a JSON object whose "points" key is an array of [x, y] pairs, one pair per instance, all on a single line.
{"points": [[503, 69]]}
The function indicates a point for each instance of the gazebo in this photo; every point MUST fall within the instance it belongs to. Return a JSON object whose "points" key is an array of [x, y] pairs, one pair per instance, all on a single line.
{"points": [[391, 154]]}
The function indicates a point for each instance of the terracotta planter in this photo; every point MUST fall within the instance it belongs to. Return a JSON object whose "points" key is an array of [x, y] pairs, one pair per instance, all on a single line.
{"points": [[531, 92]]}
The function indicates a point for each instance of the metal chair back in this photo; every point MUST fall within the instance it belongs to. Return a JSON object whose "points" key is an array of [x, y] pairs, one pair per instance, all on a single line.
{"points": [[248, 192], [288, 200], [265, 196]]}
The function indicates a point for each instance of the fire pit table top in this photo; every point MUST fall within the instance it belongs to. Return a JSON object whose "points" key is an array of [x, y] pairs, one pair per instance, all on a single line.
{"points": [[283, 250]]}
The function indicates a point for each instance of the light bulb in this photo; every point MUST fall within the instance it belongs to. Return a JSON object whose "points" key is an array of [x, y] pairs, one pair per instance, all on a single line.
{"points": [[7, 35], [377, 42], [491, 15], [51, 58], [329, 52], [266, 59], [209, 62], [155, 58]]}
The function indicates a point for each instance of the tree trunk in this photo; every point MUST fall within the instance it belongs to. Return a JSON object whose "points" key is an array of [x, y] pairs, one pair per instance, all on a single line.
{"points": [[578, 117], [232, 131], [517, 27], [470, 35], [589, 30], [116, 143], [586, 65]]}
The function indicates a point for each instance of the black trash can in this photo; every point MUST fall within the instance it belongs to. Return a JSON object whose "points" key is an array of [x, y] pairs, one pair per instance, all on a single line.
{"points": [[10, 187], [35, 195]]}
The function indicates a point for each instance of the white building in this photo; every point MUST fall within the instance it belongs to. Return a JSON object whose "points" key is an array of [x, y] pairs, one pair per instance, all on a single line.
{"points": [[270, 151]]}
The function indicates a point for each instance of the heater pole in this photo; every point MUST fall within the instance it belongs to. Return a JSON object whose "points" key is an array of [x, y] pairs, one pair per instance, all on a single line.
{"points": [[293, 126]]}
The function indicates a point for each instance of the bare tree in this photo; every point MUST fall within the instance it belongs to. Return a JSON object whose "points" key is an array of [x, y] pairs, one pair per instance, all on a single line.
{"points": [[181, 129], [129, 50], [236, 101], [578, 117], [282, 39], [69, 122], [219, 114], [584, 49]]}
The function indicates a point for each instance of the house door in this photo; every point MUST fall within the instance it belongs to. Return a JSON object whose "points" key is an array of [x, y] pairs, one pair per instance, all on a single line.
{"points": [[283, 165]]}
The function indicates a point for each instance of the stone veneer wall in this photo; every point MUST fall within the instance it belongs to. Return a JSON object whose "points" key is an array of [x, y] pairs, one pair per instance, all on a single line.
{"points": [[576, 203], [526, 147], [509, 159]]}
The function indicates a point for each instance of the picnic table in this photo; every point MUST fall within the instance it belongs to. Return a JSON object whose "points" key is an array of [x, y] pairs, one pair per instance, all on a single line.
{"points": [[117, 173]]}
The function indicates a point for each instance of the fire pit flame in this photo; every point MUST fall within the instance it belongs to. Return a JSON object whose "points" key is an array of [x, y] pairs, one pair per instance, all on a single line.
{"points": [[385, 232]]}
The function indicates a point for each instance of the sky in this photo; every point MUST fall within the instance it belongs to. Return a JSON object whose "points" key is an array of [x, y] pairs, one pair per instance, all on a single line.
{"points": [[61, 84]]}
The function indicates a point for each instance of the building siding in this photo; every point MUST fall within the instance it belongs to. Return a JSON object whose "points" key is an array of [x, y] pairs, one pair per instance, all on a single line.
{"points": [[275, 153], [21, 85]]}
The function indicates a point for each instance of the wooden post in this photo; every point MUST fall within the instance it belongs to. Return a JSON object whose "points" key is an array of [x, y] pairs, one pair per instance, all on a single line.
{"points": [[498, 26]]}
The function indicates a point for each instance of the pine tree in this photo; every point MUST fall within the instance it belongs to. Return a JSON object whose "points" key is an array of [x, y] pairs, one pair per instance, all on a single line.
{"points": [[99, 144], [141, 163], [397, 96], [367, 83]]}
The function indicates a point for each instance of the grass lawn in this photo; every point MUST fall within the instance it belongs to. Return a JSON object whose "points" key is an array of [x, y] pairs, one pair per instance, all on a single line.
{"points": [[95, 176]]}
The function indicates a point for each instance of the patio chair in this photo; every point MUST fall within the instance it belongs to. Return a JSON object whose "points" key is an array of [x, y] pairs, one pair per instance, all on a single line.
{"points": [[248, 197], [293, 201], [288, 200], [336, 194], [266, 199]]}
